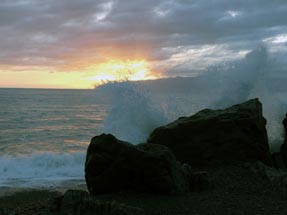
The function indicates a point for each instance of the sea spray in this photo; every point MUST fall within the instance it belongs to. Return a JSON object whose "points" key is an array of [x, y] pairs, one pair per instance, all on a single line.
{"points": [[249, 78], [133, 114], [237, 79], [43, 170]]}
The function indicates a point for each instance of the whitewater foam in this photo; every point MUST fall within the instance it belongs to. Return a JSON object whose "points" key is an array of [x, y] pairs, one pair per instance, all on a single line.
{"points": [[43, 170], [248, 78], [135, 112]]}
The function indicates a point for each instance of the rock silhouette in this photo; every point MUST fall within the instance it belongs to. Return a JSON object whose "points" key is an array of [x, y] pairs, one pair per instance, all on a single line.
{"points": [[81, 203], [284, 145], [113, 165], [212, 137]]}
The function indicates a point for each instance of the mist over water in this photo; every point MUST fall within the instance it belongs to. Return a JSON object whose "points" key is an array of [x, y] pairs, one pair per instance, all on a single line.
{"points": [[45, 133], [134, 114], [137, 109], [238, 79], [249, 78]]}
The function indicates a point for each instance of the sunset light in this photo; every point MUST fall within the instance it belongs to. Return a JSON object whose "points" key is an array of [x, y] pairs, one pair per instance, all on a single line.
{"points": [[118, 70], [84, 77], [143, 107]]}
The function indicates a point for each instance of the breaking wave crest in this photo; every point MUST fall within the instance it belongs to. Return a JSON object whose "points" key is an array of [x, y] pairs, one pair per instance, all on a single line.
{"points": [[135, 112], [41, 169]]}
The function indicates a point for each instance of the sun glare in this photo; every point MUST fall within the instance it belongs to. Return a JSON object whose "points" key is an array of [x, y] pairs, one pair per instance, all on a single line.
{"points": [[86, 77], [119, 70]]}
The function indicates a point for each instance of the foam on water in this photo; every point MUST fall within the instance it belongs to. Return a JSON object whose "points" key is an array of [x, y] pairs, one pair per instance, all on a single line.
{"points": [[133, 114], [44, 135], [41, 169], [41, 132]]}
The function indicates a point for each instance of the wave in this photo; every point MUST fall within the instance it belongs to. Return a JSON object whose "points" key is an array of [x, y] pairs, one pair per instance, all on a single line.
{"points": [[41, 169], [135, 112], [250, 77]]}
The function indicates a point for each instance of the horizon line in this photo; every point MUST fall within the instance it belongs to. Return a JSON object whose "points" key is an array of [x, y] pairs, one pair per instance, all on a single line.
{"points": [[42, 88]]}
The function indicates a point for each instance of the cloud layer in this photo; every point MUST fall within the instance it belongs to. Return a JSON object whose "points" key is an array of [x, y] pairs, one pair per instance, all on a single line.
{"points": [[176, 36]]}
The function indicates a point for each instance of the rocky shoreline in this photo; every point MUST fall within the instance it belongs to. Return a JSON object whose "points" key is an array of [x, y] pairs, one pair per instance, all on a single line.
{"points": [[237, 190], [214, 162]]}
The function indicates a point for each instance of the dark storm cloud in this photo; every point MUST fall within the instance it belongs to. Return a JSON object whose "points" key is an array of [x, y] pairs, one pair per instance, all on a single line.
{"points": [[49, 32]]}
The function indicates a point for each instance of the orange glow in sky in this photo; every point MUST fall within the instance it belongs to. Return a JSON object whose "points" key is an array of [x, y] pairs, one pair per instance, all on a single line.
{"points": [[84, 78], [118, 70]]}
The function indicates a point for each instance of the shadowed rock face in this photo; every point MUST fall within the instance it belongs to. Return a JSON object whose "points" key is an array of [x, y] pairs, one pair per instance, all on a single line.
{"points": [[284, 145], [113, 165], [81, 203], [210, 137]]}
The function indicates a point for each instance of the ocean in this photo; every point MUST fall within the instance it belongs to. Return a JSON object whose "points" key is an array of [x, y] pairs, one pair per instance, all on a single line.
{"points": [[44, 134]]}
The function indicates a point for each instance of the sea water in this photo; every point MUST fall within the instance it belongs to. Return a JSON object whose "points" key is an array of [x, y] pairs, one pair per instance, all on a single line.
{"points": [[44, 134]]}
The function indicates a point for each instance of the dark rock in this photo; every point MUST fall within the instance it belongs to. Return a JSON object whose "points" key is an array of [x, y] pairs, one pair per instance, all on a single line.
{"points": [[54, 204], [72, 200], [156, 170], [274, 176], [285, 128], [4, 211], [199, 181], [278, 160], [113, 165], [284, 145], [213, 137], [107, 164], [79, 202]]}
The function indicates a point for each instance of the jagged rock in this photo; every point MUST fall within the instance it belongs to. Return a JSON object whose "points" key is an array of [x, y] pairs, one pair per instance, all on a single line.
{"points": [[113, 165], [199, 181], [285, 128], [77, 202], [4, 211], [276, 177], [74, 200], [278, 160], [214, 137], [284, 145], [54, 204]]}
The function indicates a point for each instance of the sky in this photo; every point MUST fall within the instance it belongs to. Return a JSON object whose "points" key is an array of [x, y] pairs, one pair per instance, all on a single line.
{"points": [[80, 43]]}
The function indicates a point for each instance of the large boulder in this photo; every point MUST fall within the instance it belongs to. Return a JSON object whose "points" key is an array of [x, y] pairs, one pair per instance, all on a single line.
{"points": [[113, 165], [213, 137]]}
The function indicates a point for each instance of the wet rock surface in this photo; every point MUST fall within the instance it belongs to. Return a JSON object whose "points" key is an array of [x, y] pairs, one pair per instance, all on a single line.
{"points": [[212, 137], [283, 149], [125, 179], [113, 165], [78, 202]]}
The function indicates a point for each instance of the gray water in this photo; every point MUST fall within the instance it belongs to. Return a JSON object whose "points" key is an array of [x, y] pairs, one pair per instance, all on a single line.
{"points": [[36, 120], [44, 134]]}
